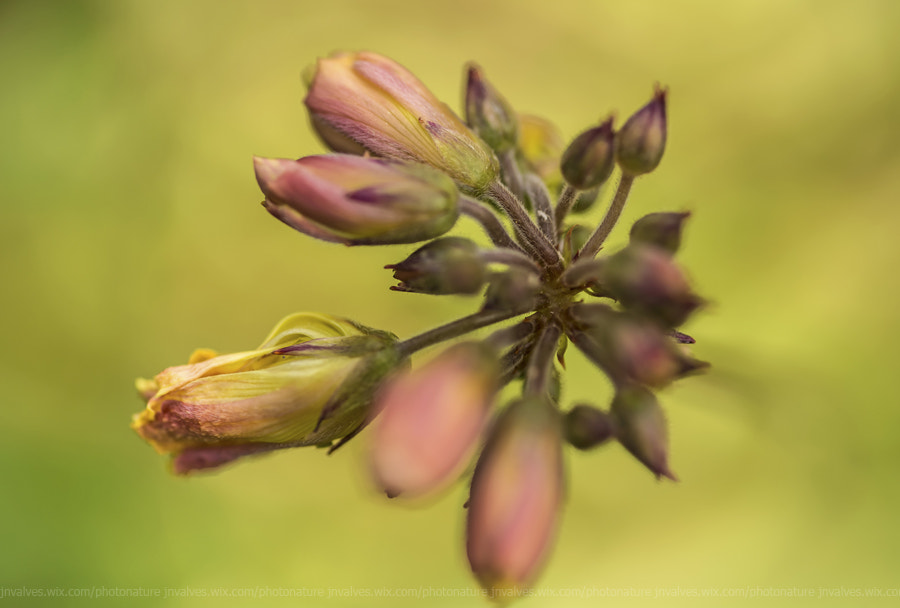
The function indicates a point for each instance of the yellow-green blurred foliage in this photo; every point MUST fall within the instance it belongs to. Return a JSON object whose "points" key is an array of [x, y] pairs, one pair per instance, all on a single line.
{"points": [[131, 233]]}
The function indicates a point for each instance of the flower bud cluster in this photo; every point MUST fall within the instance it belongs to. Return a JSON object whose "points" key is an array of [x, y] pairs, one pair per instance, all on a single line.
{"points": [[403, 168]]}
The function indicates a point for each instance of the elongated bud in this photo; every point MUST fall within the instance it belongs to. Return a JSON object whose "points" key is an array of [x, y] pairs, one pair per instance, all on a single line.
{"points": [[660, 229], [646, 281], [488, 113], [449, 265], [643, 429], [590, 158], [516, 498], [642, 139], [431, 419], [540, 147], [515, 289], [309, 383], [587, 427], [630, 349], [378, 103], [358, 201]]}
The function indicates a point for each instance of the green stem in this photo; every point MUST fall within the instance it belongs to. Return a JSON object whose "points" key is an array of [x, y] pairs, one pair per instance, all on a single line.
{"points": [[565, 203], [455, 329], [543, 210], [491, 224], [510, 258], [537, 376], [509, 169], [594, 243], [526, 231]]}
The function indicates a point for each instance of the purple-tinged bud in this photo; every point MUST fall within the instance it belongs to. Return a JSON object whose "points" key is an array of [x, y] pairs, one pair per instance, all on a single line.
{"points": [[645, 280], [590, 158], [378, 103], [660, 229], [488, 113], [309, 383], [334, 140], [515, 289], [516, 498], [642, 139], [587, 427], [540, 147], [430, 420], [449, 265], [358, 201], [630, 349], [642, 428]]}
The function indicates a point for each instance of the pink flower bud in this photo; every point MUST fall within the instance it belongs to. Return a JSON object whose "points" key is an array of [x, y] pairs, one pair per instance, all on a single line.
{"points": [[381, 105], [516, 498], [358, 201], [430, 420]]}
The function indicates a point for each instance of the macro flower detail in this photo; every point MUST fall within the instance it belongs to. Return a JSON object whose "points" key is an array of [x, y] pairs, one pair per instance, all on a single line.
{"points": [[358, 201], [379, 104], [308, 383], [549, 286]]}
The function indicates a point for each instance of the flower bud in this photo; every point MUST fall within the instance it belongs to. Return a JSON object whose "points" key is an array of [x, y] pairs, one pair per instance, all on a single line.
{"points": [[488, 112], [643, 429], [430, 420], [590, 158], [585, 200], [449, 265], [516, 498], [540, 147], [379, 104], [587, 427], [660, 229], [630, 349], [309, 383], [642, 139], [358, 201], [334, 140], [646, 281], [515, 289]]}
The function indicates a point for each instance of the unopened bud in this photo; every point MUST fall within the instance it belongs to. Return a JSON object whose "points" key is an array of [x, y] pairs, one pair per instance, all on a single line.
{"points": [[646, 281], [488, 113], [642, 428], [585, 200], [660, 229], [516, 498], [515, 289], [590, 158], [430, 420], [540, 147], [642, 139], [587, 427], [358, 201], [449, 265]]}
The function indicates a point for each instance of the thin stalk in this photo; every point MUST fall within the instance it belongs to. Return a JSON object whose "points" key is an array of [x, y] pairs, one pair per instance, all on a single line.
{"points": [[543, 210], [514, 360], [537, 376], [510, 336], [491, 224], [565, 203], [509, 169], [455, 329], [594, 243], [510, 258], [525, 229]]}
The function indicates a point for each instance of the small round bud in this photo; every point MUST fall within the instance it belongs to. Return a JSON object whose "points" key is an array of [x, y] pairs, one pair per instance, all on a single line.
{"points": [[660, 229], [642, 139], [488, 113], [590, 158], [646, 281], [449, 265], [515, 289], [585, 200], [587, 427]]}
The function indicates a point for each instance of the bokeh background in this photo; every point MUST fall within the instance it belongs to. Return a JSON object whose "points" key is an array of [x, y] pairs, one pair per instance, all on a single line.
{"points": [[131, 233]]}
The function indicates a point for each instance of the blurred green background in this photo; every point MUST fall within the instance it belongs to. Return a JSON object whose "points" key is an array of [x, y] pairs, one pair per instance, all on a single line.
{"points": [[131, 233]]}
